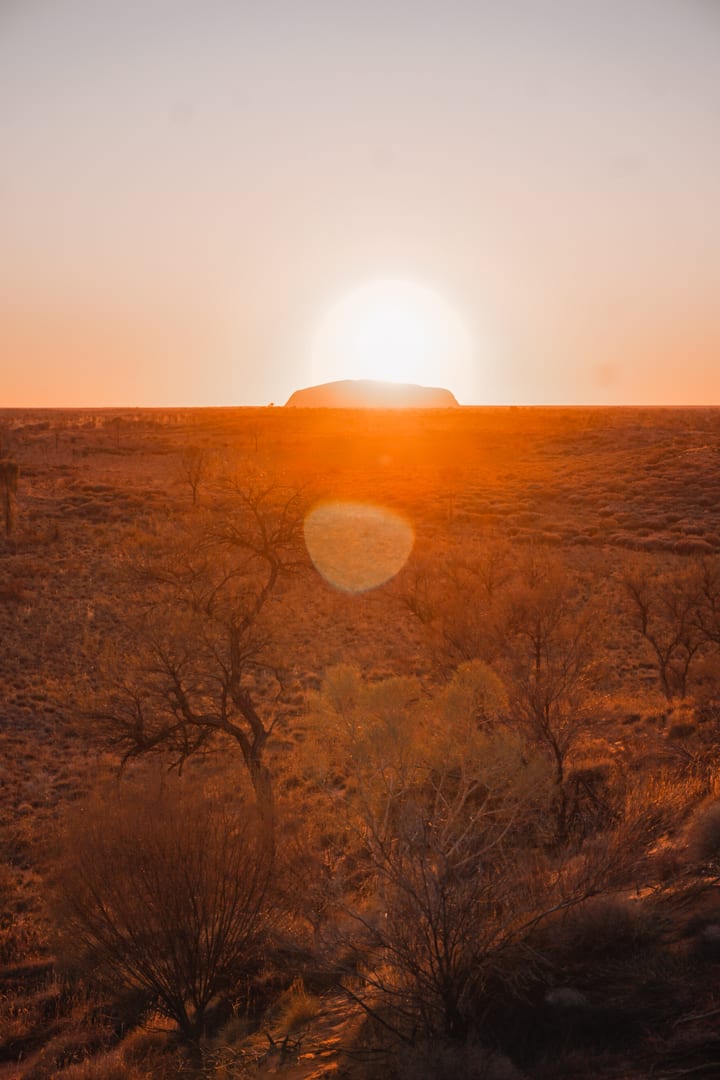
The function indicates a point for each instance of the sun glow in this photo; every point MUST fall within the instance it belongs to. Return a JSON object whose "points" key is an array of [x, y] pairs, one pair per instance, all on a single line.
{"points": [[395, 331]]}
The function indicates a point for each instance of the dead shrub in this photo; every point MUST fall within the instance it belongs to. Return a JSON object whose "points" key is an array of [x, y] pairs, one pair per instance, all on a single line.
{"points": [[166, 892]]}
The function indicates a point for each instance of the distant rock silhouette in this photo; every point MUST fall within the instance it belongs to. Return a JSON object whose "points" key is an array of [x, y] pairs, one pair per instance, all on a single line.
{"points": [[371, 394]]}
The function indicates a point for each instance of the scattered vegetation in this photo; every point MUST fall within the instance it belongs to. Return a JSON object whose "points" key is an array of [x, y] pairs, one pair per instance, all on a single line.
{"points": [[467, 824]]}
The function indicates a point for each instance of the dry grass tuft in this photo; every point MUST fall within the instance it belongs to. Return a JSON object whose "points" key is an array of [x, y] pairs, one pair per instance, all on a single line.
{"points": [[297, 1007]]}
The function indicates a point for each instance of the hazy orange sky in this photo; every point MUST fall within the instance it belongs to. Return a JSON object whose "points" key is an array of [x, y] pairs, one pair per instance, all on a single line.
{"points": [[187, 186]]}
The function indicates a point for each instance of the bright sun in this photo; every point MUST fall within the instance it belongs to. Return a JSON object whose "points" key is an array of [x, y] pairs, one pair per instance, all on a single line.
{"points": [[397, 331]]}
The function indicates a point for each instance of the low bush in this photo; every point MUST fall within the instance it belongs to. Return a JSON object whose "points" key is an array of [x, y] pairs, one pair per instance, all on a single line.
{"points": [[166, 893]]}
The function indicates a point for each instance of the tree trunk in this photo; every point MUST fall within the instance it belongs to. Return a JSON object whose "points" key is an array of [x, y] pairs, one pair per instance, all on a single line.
{"points": [[265, 797]]}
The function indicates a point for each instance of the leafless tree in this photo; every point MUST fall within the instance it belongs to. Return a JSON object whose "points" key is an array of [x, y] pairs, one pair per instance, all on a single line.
{"points": [[453, 597], [547, 631], [202, 636], [708, 606], [664, 611], [193, 468]]}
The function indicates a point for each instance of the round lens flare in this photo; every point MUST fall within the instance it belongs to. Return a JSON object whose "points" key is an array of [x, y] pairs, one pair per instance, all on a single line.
{"points": [[357, 546]]}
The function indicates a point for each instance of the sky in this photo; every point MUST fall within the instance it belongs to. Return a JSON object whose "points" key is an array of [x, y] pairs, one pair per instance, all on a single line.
{"points": [[188, 189]]}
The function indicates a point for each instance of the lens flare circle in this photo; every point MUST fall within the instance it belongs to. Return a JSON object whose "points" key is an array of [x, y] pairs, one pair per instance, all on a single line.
{"points": [[357, 546]]}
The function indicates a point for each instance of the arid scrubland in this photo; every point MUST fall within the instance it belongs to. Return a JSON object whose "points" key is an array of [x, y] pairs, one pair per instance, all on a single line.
{"points": [[465, 824]]}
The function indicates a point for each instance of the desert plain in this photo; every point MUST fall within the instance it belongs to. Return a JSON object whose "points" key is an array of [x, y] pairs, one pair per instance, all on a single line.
{"points": [[474, 810]]}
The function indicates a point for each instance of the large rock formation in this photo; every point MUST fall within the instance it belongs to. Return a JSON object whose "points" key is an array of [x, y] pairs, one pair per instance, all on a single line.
{"points": [[372, 394]]}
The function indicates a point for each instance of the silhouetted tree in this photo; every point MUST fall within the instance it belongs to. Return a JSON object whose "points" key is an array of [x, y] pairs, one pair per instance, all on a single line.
{"points": [[664, 610], [193, 468], [203, 636]]}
